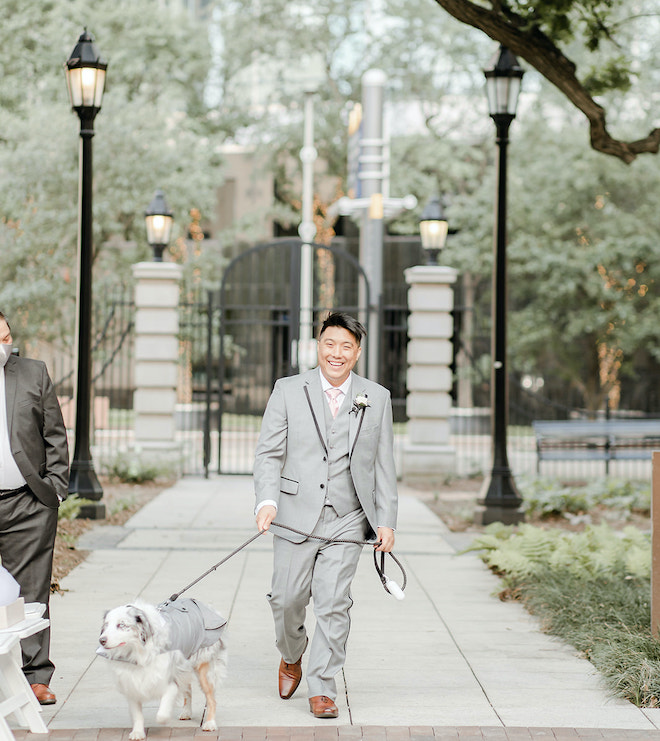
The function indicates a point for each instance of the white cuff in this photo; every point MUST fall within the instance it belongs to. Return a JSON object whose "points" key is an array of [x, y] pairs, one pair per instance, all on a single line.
{"points": [[265, 502]]}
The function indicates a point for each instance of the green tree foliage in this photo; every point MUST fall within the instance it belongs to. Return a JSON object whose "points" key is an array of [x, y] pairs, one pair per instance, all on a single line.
{"points": [[147, 136], [583, 258], [553, 35]]}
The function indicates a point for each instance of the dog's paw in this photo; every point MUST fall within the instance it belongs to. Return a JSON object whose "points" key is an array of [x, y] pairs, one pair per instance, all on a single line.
{"points": [[137, 735], [185, 715], [210, 725], [163, 716]]}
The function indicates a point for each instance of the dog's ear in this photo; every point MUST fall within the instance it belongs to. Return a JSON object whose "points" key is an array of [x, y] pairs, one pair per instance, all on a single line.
{"points": [[145, 630]]}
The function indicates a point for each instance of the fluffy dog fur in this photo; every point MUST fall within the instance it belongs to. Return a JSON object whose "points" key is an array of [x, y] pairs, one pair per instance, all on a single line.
{"points": [[136, 638]]}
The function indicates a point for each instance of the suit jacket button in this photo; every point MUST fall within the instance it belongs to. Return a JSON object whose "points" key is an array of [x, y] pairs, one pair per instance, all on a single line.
{"points": [[322, 486], [324, 459]]}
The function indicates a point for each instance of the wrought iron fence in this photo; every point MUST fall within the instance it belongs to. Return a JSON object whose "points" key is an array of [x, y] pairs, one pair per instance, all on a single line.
{"points": [[197, 388], [112, 379], [533, 394]]}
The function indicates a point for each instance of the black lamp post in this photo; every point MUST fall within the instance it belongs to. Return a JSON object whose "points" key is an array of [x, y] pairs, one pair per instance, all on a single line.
{"points": [[158, 219], [501, 501], [433, 229], [85, 76]]}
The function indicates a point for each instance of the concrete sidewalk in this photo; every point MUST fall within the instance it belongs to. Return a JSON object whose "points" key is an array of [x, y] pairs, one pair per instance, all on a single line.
{"points": [[450, 656]]}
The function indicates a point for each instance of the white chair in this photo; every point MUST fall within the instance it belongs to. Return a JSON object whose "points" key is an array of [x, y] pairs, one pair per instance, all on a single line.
{"points": [[16, 696]]}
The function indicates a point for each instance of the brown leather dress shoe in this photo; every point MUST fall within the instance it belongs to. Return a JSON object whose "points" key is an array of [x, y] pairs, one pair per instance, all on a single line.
{"points": [[43, 694], [323, 707], [289, 678]]}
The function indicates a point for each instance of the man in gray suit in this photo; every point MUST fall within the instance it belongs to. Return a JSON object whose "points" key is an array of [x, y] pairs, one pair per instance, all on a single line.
{"points": [[34, 478], [325, 466]]}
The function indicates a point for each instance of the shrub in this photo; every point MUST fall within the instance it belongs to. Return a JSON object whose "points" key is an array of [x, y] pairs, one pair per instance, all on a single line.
{"points": [[70, 508], [545, 497], [132, 468], [591, 589]]}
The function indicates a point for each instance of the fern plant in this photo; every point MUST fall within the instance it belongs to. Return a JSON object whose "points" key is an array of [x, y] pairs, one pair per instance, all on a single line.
{"points": [[544, 497], [592, 589]]}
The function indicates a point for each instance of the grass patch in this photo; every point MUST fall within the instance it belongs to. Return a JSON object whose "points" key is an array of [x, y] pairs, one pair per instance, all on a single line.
{"points": [[607, 619], [592, 589]]}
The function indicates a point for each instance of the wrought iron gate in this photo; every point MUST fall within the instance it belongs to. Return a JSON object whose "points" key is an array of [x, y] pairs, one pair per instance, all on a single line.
{"points": [[260, 326]]}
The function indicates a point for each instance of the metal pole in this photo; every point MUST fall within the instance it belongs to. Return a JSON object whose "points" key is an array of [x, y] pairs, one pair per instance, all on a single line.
{"points": [[83, 480], [307, 231], [371, 231], [655, 543], [501, 496]]}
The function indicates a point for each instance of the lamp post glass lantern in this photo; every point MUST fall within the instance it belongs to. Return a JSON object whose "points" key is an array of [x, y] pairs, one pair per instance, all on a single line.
{"points": [[433, 230], [502, 500], [85, 76], [158, 220]]}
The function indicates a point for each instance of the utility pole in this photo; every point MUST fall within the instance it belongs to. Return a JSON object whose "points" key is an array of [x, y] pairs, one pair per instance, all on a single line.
{"points": [[370, 207], [307, 232]]}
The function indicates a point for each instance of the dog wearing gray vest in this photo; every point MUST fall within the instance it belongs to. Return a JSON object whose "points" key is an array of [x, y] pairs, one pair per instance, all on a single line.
{"points": [[155, 650]]}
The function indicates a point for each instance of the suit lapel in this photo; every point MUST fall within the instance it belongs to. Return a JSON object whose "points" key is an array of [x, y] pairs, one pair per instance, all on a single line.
{"points": [[355, 420], [10, 391], [313, 392]]}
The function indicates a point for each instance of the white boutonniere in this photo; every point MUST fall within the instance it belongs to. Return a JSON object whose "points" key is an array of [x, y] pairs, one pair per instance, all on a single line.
{"points": [[359, 402]]}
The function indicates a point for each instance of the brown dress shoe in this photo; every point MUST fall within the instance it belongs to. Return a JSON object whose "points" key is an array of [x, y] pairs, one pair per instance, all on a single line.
{"points": [[43, 694], [289, 678], [322, 707]]}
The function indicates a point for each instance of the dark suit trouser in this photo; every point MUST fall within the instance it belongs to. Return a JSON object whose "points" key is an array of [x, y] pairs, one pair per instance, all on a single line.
{"points": [[27, 540]]}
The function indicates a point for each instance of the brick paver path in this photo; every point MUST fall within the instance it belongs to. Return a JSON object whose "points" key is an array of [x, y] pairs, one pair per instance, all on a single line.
{"points": [[350, 733]]}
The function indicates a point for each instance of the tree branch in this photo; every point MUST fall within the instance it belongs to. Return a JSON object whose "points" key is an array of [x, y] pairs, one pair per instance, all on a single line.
{"points": [[539, 51]]}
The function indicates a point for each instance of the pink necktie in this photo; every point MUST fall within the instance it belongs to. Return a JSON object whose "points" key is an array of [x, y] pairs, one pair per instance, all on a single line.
{"points": [[333, 395]]}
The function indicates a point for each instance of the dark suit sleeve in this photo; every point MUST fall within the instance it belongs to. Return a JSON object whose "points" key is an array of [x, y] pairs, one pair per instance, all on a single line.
{"points": [[55, 442]]}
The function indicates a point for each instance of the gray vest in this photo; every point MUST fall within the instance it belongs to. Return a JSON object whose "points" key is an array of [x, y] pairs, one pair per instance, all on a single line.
{"points": [[193, 625], [340, 490]]}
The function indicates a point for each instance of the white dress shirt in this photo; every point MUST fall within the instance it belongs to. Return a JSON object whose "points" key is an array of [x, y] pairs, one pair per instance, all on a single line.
{"points": [[10, 476], [344, 388]]}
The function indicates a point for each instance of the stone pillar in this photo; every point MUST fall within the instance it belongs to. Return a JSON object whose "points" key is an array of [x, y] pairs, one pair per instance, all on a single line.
{"points": [[427, 452], [156, 358]]}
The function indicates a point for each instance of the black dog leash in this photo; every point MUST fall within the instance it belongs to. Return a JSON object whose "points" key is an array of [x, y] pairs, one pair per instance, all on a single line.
{"points": [[390, 586]]}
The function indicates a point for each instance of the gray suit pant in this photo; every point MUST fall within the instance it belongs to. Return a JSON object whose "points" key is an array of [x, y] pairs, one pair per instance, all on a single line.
{"points": [[27, 539], [324, 572]]}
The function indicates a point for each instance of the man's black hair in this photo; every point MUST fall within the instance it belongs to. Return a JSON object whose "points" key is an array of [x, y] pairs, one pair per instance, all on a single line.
{"points": [[346, 321]]}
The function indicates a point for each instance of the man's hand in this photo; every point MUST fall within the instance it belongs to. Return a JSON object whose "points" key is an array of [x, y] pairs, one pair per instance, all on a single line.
{"points": [[265, 516], [386, 536]]}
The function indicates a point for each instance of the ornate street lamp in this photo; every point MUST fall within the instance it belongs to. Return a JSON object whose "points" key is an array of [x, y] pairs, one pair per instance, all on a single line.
{"points": [[501, 501], [85, 77], [433, 229], [159, 220]]}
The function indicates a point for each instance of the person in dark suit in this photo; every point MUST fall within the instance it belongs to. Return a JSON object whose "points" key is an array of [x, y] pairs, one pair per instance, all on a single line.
{"points": [[324, 465], [34, 479]]}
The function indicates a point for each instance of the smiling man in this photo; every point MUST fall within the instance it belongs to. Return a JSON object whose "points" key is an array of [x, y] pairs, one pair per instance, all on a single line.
{"points": [[324, 465]]}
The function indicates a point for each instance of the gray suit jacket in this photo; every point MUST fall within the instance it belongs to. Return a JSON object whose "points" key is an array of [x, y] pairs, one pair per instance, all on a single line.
{"points": [[291, 465], [36, 430]]}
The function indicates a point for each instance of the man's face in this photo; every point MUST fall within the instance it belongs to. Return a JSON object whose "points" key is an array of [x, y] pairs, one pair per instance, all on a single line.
{"points": [[5, 333], [338, 353]]}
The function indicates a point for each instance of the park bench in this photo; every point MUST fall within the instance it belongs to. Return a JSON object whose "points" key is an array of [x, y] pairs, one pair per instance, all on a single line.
{"points": [[596, 440]]}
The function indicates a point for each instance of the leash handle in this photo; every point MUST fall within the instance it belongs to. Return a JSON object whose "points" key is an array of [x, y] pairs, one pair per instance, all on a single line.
{"points": [[390, 586]]}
